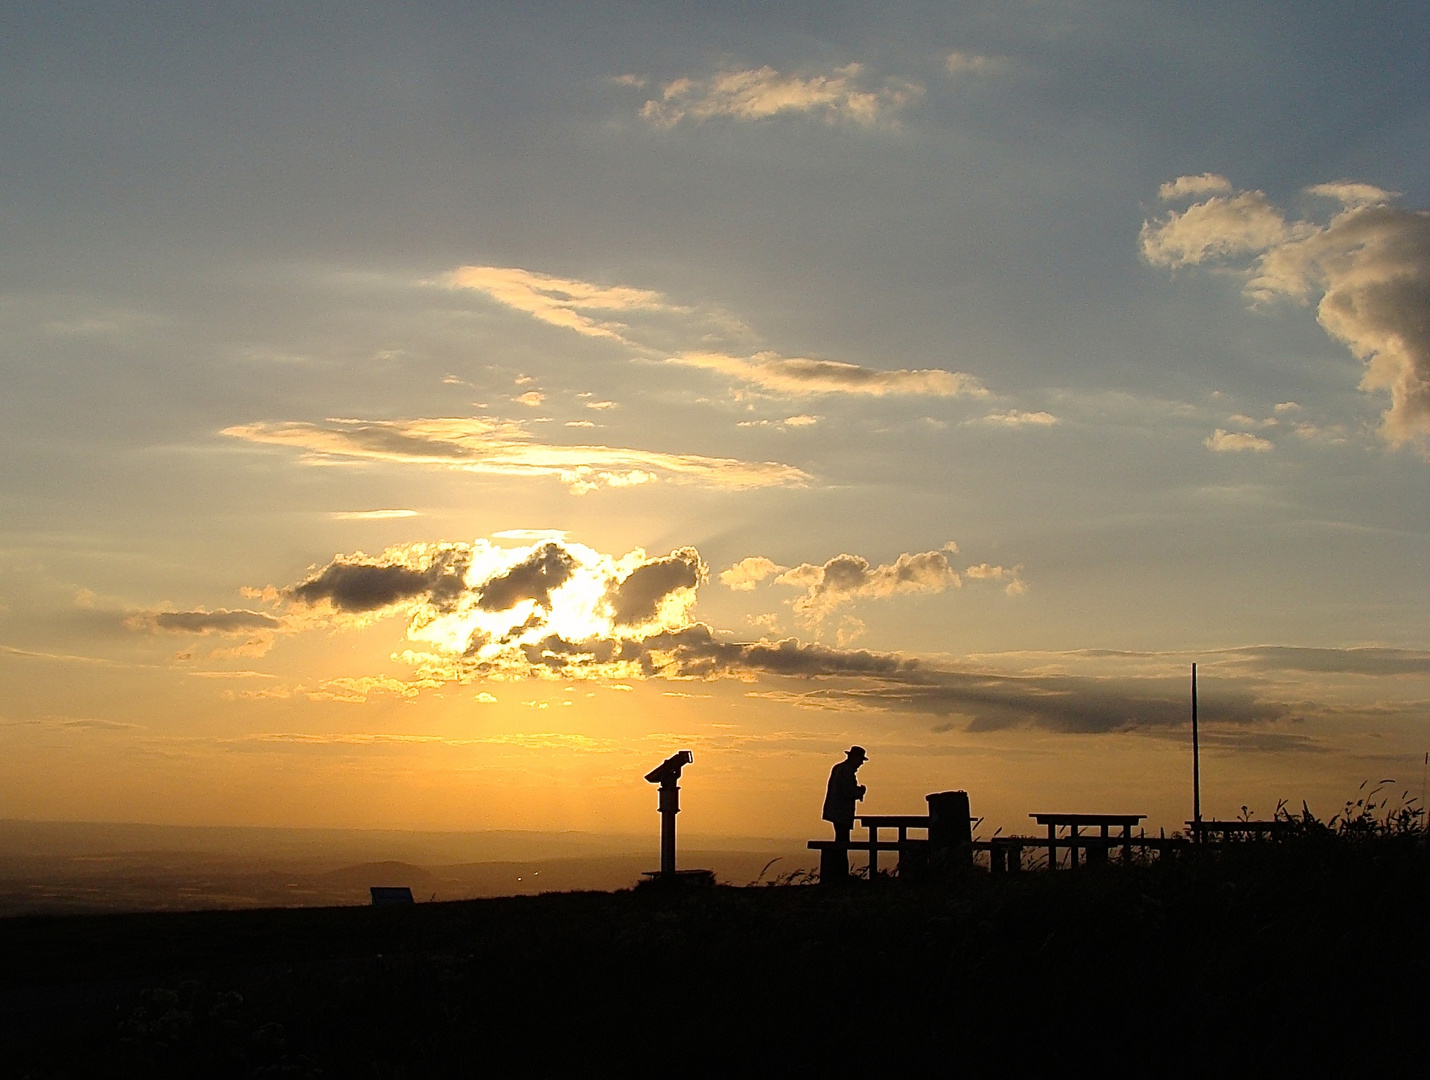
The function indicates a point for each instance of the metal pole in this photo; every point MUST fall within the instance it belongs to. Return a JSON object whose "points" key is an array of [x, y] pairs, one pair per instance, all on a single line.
{"points": [[669, 807], [1196, 766]]}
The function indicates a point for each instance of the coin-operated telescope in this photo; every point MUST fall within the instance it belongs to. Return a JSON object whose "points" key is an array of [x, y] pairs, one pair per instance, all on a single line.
{"points": [[667, 775]]}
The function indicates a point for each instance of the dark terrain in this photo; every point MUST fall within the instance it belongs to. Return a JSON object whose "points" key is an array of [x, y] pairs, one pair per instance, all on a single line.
{"points": [[1307, 955]]}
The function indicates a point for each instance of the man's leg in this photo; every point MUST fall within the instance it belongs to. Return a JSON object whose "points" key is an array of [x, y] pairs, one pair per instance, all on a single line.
{"points": [[841, 837]]}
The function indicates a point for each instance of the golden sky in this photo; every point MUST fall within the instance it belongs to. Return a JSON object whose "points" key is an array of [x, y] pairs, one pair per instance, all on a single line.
{"points": [[434, 417]]}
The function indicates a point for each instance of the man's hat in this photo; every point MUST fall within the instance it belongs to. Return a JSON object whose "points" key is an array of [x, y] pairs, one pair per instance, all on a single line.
{"points": [[857, 751]]}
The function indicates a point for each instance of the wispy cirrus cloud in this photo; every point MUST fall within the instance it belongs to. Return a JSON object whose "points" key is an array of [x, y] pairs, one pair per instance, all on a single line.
{"points": [[801, 376], [841, 95], [1017, 418], [485, 445], [1367, 269], [218, 621], [581, 305], [966, 63], [567, 302], [372, 515]]}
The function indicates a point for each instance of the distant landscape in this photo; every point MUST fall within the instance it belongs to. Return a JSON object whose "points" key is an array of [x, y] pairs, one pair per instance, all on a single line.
{"points": [[76, 867], [1306, 955]]}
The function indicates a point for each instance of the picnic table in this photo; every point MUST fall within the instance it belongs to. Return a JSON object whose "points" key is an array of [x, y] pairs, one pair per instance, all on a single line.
{"points": [[1095, 847], [903, 823], [874, 822]]}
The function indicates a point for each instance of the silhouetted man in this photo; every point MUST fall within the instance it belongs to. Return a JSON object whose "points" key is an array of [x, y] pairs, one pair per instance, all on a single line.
{"points": [[839, 798]]}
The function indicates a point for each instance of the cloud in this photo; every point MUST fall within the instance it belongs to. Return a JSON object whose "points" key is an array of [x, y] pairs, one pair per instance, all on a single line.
{"points": [[534, 578], [582, 614], [747, 573], [531, 398], [99, 725], [220, 621], [357, 584], [984, 572], [1183, 186], [848, 577], [1369, 661], [760, 93], [960, 63], [373, 515], [798, 376], [1220, 226], [1367, 269], [1223, 442], [1017, 418], [503, 448], [640, 596], [1070, 704], [1351, 193], [565, 302]]}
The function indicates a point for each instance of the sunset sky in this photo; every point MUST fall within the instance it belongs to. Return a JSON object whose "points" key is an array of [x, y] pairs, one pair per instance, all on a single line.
{"points": [[434, 415]]}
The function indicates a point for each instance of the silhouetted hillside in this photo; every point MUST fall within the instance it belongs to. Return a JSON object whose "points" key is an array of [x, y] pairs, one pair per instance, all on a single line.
{"points": [[1257, 958]]}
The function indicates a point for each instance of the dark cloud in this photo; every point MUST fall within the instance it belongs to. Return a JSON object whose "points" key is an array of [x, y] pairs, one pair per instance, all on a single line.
{"points": [[357, 586], [636, 598], [695, 651], [1366, 661], [221, 621], [1066, 703], [981, 701], [544, 571]]}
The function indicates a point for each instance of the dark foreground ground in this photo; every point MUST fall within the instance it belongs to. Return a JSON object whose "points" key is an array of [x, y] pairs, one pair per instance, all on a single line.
{"points": [[1283, 958]]}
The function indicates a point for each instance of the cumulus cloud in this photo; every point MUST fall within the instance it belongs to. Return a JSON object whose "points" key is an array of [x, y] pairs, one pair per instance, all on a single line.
{"points": [[547, 568], [358, 584], [503, 448], [1184, 186], [1220, 226], [1367, 270], [849, 577], [1013, 584], [565, 302], [799, 376], [760, 93], [749, 572], [642, 594], [1223, 441], [219, 621], [577, 613], [483, 607]]}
